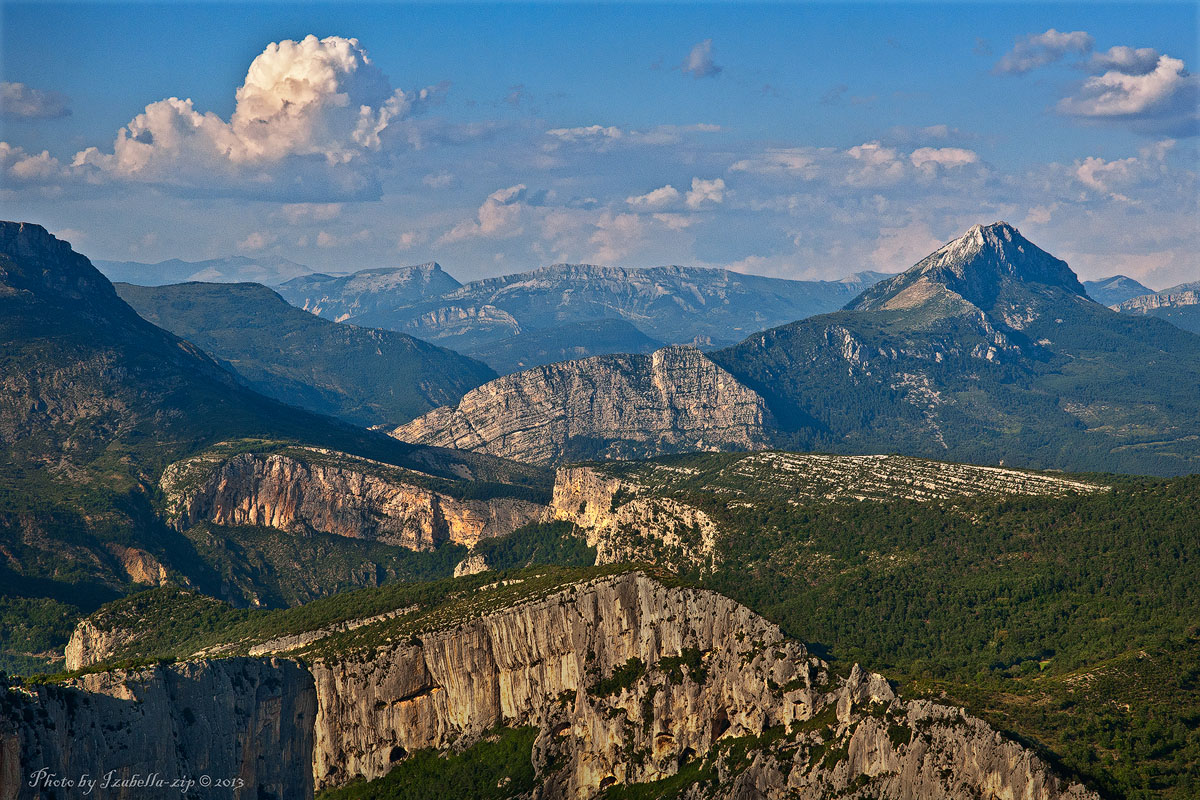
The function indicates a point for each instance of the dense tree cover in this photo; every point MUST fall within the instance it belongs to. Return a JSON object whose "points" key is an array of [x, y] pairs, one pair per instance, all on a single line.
{"points": [[1030, 611], [538, 543], [497, 767], [1080, 387]]}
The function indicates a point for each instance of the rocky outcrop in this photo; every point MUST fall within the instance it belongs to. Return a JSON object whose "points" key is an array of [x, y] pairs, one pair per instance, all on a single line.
{"points": [[1147, 303], [91, 644], [617, 406], [626, 512], [238, 728], [332, 493], [625, 523], [626, 680]]}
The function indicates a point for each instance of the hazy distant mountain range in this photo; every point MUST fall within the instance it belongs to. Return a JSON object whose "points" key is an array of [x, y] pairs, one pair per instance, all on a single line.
{"points": [[988, 350], [1114, 290], [1179, 305], [269, 270], [668, 305]]}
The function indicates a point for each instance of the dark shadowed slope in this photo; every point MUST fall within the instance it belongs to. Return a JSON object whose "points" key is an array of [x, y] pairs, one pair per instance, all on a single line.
{"points": [[363, 375]]}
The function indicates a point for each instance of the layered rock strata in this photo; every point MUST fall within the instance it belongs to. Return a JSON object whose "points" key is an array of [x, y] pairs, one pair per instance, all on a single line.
{"points": [[291, 493], [613, 406], [627, 524]]}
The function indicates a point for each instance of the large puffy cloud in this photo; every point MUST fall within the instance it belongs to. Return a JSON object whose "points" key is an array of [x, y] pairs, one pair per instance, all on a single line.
{"points": [[310, 121], [19, 166], [18, 101], [1151, 92], [1164, 99], [1040, 49]]}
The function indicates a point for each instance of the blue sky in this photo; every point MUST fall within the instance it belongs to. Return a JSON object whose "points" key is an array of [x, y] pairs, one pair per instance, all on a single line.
{"points": [[791, 140]]}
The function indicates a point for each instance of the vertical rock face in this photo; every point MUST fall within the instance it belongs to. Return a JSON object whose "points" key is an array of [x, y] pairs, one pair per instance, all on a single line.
{"points": [[284, 492], [617, 406], [627, 680], [246, 722], [627, 524], [533, 664]]}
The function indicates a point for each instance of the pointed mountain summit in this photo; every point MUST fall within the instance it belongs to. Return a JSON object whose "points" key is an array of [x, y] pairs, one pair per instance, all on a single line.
{"points": [[988, 266], [987, 350]]}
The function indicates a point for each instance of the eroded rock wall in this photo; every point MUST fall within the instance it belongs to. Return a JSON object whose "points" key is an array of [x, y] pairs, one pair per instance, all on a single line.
{"points": [[626, 679], [244, 722], [612, 406], [626, 524], [290, 493]]}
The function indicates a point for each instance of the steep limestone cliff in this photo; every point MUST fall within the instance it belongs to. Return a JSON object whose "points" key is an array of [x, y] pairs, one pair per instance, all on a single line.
{"points": [[332, 493], [243, 721], [1147, 303], [625, 523], [626, 680], [613, 406]]}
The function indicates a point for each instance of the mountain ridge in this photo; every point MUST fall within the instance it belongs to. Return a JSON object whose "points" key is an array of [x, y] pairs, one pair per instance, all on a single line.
{"points": [[365, 376]]}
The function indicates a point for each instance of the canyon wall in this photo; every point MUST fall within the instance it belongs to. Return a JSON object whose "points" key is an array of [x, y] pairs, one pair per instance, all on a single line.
{"points": [[292, 493], [626, 679]]}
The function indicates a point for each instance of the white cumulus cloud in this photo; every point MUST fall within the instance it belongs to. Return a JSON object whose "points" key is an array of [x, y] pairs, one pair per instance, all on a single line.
{"points": [[310, 118], [705, 191], [929, 159], [1134, 61], [1164, 99], [659, 198], [19, 166], [499, 217]]}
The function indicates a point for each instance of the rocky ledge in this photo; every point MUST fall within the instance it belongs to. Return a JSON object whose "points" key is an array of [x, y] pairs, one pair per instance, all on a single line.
{"points": [[626, 680], [315, 490]]}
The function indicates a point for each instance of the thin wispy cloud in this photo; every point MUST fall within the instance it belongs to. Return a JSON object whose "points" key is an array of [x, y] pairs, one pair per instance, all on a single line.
{"points": [[1039, 49], [18, 101]]}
